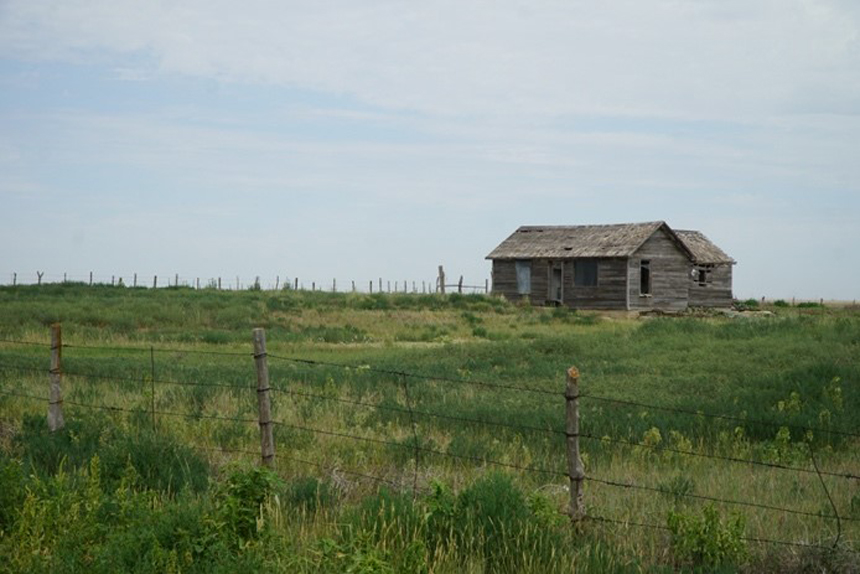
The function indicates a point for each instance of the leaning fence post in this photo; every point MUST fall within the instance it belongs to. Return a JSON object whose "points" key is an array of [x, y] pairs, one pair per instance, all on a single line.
{"points": [[574, 463], [267, 442], [55, 396]]}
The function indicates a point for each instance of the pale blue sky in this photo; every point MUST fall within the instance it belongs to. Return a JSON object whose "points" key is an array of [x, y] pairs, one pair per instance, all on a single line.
{"points": [[380, 139]]}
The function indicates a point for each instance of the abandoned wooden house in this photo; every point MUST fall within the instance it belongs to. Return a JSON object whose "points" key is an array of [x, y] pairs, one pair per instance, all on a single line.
{"points": [[633, 266]]}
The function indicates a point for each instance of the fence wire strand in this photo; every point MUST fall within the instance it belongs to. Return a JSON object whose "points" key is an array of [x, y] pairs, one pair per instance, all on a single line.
{"points": [[417, 448]]}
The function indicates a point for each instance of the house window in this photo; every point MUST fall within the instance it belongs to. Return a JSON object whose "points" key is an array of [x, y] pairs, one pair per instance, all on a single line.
{"points": [[645, 278], [702, 275], [524, 277], [585, 272]]}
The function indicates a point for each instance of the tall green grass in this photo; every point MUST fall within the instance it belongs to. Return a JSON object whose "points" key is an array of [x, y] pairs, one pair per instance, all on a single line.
{"points": [[797, 368]]}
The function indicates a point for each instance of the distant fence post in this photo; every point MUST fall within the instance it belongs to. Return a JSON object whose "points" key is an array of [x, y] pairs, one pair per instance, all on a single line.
{"points": [[135, 279], [371, 286], [39, 277], [487, 286], [441, 280], [575, 469], [460, 285], [55, 397], [267, 442], [14, 279], [154, 281], [91, 278]]}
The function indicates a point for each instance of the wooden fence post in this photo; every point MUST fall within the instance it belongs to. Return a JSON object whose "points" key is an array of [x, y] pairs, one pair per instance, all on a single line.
{"points": [[135, 279], [441, 280], [371, 286], [353, 285], [14, 279], [154, 281], [55, 396], [487, 286], [39, 277], [380, 284], [267, 442], [575, 470], [65, 275], [91, 278], [460, 285], [334, 285]]}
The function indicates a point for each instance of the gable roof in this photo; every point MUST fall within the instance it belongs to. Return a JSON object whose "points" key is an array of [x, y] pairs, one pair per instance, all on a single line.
{"points": [[567, 241], [703, 249]]}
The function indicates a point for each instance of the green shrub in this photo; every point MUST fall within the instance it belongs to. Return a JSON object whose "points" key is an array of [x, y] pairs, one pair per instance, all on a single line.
{"points": [[238, 504], [705, 540], [781, 303]]}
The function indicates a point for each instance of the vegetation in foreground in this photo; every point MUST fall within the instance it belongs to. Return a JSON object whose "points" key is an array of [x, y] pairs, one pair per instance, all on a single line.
{"points": [[114, 491]]}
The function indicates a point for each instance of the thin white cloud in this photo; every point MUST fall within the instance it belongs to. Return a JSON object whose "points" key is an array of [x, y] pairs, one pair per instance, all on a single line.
{"points": [[727, 58]]}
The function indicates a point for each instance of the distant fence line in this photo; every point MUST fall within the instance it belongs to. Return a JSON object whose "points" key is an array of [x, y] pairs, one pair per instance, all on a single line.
{"points": [[577, 510], [371, 286]]}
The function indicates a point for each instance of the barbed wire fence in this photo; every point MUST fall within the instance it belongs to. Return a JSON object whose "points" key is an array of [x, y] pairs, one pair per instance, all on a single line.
{"points": [[258, 282], [578, 510]]}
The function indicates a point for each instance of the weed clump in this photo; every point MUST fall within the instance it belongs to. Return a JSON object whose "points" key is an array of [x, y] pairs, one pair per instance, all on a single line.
{"points": [[706, 540]]}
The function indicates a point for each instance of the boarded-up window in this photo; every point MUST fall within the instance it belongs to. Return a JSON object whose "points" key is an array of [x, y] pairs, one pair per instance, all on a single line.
{"points": [[524, 277], [644, 277], [585, 272], [702, 274]]}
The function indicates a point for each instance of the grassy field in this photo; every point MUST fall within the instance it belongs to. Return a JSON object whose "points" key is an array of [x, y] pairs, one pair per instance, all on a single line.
{"points": [[123, 488]]}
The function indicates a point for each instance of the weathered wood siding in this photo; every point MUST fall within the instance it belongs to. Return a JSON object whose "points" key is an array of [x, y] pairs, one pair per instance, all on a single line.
{"points": [[505, 279], [540, 281], [610, 291], [670, 275], [717, 292]]}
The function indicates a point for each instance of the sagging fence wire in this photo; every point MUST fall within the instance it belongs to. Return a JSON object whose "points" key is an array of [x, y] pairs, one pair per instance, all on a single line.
{"points": [[514, 426], [469, 420], [483, 460], [416, 448]]}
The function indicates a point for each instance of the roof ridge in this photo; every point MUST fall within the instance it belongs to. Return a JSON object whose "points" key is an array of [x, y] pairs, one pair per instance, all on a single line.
{"points": [[638, 223]]}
